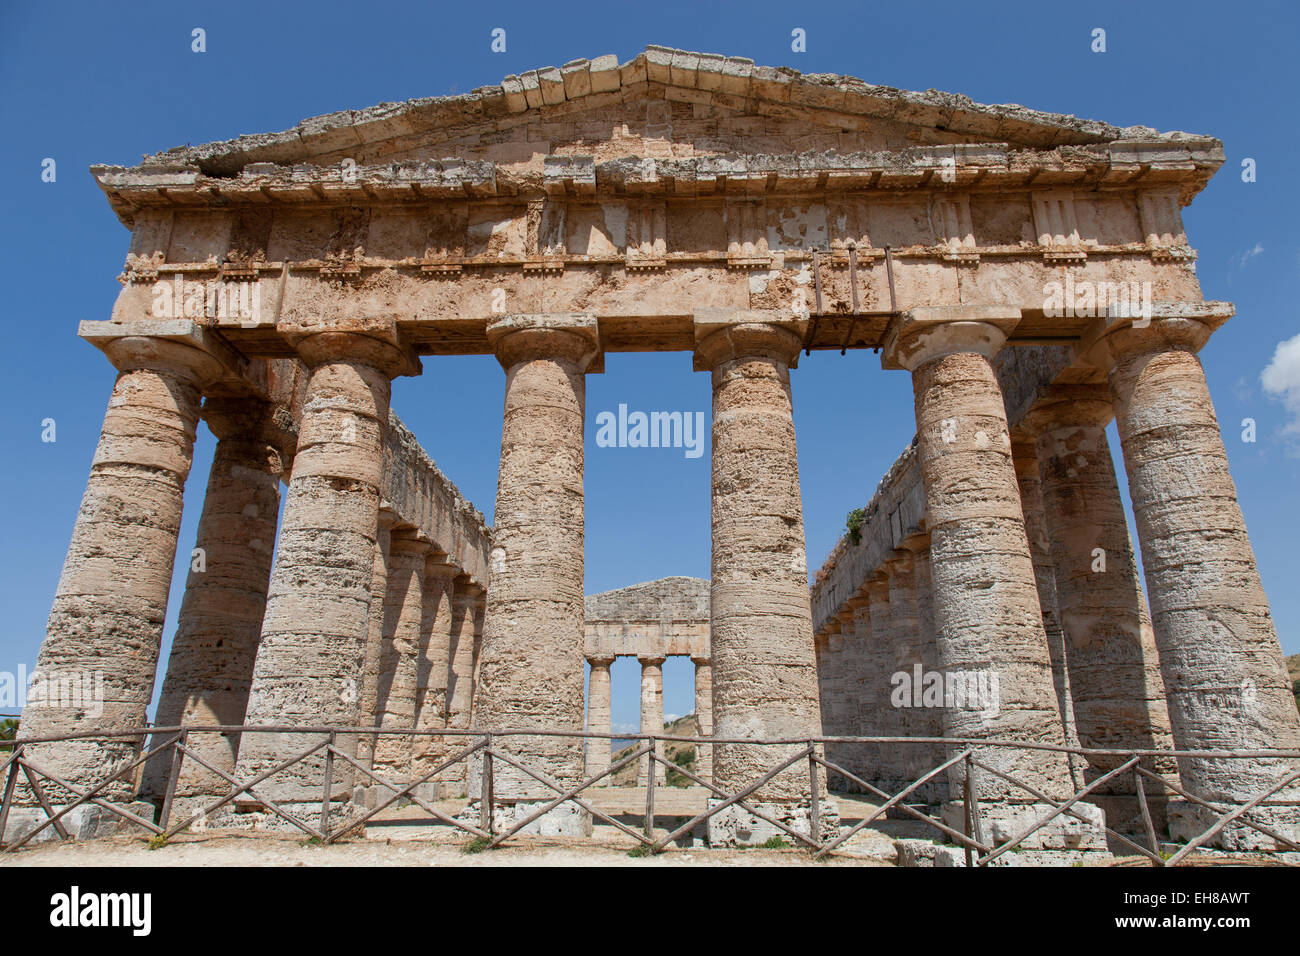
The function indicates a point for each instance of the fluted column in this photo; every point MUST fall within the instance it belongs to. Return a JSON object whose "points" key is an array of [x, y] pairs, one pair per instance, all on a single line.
{"points": [[375, 637], [309, 665], [652, 715], [704, 716], [433, 666], [765, 676], [1225, 679], [598, 717], [882, 716], [531, 670], [987, 614], [1025, 458], [864, 680], [220, 621], [1116, 690], [396, 698], [835, 707], [105, 626], [466, 611]]}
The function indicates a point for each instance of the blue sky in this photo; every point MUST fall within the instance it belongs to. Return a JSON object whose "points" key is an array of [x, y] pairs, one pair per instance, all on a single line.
{"points": [[96, 83]]}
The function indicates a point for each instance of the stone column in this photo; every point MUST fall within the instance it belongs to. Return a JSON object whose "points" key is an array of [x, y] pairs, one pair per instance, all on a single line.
{"points": [[1024, 457], [531, 673], [936, 791], [220, 623], [765, 680], [105, 627], [704, 716], [396, 698], [834, 709], [862, 680], [309, 665], [598, 717], [987, 616], [433, 671], [375, 636], [1225, 679], [466, 610], [652, 715], [905, 636], [1114, 671], [882, 714]]}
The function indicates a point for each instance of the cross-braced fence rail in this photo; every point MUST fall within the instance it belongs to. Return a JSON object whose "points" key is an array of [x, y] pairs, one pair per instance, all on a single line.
{"points": [[966, 761]]}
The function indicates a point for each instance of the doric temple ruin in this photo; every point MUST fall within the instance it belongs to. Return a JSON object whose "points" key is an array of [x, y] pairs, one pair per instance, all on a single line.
{"points": [[1027, 272]]}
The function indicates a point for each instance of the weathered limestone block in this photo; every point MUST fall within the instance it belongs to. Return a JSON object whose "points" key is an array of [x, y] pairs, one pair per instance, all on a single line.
{"points": [[598, 717], [399, 660], [1225, 680], [530, 672], [986, 610], [765, 682], [220, 623], [309, 665], [704, 716], [107, 618], [652, 716], [1114, 671]]}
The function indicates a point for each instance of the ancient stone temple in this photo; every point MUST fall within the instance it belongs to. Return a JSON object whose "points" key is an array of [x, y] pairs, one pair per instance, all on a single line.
{"points": [[1027, 273]]}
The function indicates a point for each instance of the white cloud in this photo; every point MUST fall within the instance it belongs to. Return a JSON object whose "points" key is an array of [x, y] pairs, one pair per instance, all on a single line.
{"points": [[1241, 259], [1281, 381]]}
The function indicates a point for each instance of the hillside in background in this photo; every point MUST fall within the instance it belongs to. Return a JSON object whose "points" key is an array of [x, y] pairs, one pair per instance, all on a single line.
{"points": [[681, 754]]}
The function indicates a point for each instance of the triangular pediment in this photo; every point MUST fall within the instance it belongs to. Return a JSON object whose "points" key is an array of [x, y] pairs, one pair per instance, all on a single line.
{"points": [[662, 104]]}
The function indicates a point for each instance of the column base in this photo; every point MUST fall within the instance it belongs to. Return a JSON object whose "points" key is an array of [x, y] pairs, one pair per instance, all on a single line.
{"points": [[736, 826], [86, 822], [1001, 821], [565, 820], [1188, 820]]}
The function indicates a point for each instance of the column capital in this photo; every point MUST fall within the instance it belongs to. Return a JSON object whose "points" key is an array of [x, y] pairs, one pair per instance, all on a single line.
{"points": [[877, 588], [521, 337], [467, 588], [439, 564], [919, 335], [181, 347], [724, 335], [900, 561], [649, 661], [1180, 326], [408, 540], [383, 349], [1067, 405], [251, 418], [701, 661], [600, 661], [856, 602]]}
